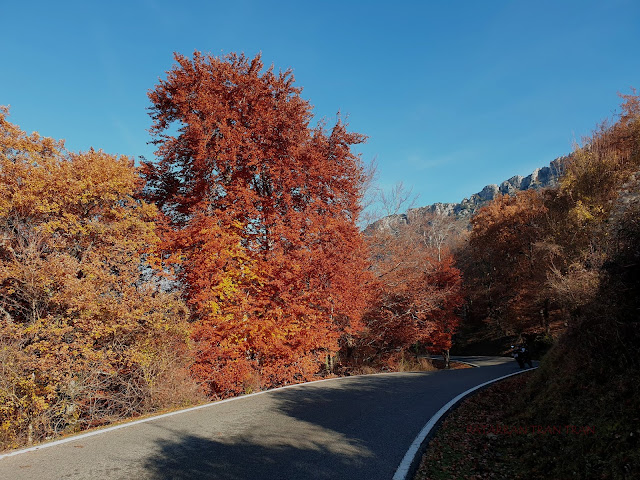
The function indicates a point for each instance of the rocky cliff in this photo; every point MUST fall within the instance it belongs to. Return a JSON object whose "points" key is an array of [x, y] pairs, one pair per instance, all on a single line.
{"points": [[540, 178]]}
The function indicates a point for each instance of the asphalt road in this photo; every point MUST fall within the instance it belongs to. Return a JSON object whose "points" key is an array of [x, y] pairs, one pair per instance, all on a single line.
{"points": [[349, 428]]}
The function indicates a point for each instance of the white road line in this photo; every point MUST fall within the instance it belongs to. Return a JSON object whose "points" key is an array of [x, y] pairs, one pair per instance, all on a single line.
{"points": [[405, 465], [100, 431]]}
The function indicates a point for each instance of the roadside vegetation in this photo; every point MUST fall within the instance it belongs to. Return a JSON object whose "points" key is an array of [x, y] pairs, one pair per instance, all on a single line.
{"points": [[577, 415]]}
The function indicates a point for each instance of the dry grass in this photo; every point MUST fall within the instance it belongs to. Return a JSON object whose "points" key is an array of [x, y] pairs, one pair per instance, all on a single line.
{"points": [[404, 363]]}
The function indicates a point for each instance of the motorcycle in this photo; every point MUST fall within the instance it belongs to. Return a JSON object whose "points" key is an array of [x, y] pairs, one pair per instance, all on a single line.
{"points": [[522, 356]]}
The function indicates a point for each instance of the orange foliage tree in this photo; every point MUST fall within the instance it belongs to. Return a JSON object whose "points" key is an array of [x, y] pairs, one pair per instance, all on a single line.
{"points": [[261, 211], [417, 293], [86, 335], [510, 261], [582, 207], [540, 253]]}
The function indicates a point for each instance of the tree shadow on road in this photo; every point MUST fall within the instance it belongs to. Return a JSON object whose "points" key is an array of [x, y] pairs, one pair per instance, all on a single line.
{"points": [[351, 428], [193, 457]]}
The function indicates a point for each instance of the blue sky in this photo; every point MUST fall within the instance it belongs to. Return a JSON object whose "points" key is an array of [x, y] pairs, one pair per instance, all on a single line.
{"points": [[453, 95]]}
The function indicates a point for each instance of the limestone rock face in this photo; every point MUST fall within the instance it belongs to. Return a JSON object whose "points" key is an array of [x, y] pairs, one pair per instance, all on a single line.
{"points": [[511, 186], [540, 178]]}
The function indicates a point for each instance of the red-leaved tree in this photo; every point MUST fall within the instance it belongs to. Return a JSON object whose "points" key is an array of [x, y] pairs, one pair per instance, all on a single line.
{"points": [[417, 294], [261, 214]]}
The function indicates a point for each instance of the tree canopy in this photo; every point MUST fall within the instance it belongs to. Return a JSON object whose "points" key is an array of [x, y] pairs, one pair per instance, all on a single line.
{"points": [[261, 210], [86, 334]]}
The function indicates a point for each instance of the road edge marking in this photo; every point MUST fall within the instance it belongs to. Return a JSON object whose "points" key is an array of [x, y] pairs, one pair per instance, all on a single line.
{"points": [[100, 431], [412, 456]]}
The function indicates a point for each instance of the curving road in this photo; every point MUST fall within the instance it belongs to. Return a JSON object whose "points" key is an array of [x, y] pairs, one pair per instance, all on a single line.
{"points": [[347, 428]]}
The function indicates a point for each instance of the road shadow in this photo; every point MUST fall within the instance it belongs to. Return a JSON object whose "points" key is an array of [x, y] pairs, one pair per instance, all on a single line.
{"points": [[193, 457], [354, 428], [357, 406]]}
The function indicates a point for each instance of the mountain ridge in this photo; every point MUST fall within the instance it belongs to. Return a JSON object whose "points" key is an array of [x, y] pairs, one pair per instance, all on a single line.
{"points": [[540, 178]]}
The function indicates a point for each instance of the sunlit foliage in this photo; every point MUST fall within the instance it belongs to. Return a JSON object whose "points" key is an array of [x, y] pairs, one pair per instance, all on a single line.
{"points": [[262, 209], [86, 335]]}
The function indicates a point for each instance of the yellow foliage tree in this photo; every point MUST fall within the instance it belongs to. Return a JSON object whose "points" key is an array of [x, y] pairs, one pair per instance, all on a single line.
{"points": [[86, 332]]}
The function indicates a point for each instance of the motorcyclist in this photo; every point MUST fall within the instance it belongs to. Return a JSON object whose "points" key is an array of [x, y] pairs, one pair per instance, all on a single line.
{"points": [[521, 355]]}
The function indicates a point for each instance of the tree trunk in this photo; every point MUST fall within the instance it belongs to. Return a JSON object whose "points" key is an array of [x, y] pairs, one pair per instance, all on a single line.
{"points": [[330, 362], [30, 434], [447, 359]]}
